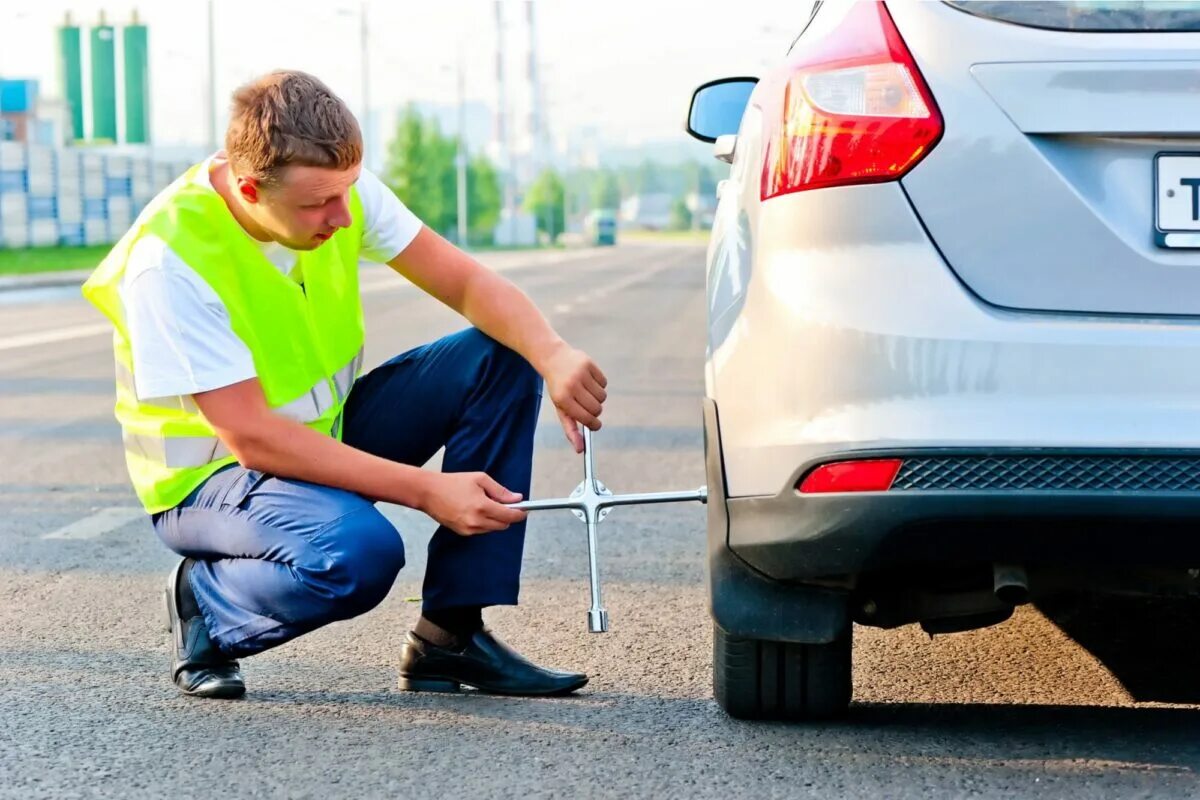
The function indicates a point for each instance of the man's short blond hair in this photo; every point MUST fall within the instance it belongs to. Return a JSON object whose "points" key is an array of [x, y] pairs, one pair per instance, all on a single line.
{"points": [[289, 118]]}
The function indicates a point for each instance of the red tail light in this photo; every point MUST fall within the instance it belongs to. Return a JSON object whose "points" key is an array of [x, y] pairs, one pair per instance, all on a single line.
{"points": [[852, 476], [853, 106]]}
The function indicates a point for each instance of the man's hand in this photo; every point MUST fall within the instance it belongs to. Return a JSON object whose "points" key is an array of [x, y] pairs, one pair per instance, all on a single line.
{"points": [[577, 389], [469, 503], [502, 311]]}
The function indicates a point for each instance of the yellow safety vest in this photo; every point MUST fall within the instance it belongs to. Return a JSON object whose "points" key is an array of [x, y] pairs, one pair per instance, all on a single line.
{"points": [[306, 340]]}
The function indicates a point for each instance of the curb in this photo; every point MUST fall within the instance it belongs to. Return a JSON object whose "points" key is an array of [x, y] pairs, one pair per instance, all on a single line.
{"points": [[44, 280]]}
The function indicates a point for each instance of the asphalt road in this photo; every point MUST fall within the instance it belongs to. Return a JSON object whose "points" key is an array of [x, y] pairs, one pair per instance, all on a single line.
{"points": [[86, 709]]}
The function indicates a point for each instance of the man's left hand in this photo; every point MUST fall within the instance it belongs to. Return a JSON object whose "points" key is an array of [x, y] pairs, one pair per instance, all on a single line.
{"points": [[577, 389]]}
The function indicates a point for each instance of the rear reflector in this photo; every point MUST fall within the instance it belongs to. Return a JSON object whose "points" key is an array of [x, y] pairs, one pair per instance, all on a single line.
{"points": [[851, 476]]}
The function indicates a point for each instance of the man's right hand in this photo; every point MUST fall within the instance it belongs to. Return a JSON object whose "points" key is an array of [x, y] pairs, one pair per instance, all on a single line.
{"points": [[469, 503]]}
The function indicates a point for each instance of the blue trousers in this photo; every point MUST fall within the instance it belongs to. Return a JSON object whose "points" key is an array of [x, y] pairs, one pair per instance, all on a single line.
{"points": [[278, 558]]}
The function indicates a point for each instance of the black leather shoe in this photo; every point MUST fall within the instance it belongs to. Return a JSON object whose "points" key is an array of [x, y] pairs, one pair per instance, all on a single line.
{"points": [[485, 663], [198, 667]]}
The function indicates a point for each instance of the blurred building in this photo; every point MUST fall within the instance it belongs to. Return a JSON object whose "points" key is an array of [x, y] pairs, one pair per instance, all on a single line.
{"points": [[25, 116], [702, 207], [516, 229], [53, 192], [650, 211], [76, 196], [119, 113]]}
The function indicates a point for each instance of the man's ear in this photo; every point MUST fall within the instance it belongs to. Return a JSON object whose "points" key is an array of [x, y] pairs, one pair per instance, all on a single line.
{"points": [[248, 188]]}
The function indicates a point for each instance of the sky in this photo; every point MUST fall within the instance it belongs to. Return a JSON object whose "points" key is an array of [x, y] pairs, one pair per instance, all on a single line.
{"points": [[623, 69]]}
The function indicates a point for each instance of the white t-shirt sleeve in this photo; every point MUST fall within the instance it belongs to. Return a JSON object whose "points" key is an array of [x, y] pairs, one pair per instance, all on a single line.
{"points": [[179, 330], [389, 226]]}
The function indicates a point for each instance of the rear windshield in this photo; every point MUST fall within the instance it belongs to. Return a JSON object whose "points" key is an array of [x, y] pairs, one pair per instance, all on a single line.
{"points": [[1115, 16]]}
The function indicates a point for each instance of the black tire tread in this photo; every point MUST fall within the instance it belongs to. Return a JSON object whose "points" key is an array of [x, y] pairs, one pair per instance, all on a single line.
{"points": [[755, 679]]}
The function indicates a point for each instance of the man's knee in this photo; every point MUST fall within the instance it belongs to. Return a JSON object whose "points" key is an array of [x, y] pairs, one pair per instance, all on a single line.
{"points": [[503, 363], [363, 563]]}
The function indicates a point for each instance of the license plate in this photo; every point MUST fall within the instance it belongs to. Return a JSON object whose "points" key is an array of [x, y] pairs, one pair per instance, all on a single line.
{"points": [[1177, 200]]}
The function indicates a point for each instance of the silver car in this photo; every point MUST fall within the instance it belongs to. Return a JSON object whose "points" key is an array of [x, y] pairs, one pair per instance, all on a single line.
{"points": [[953, 328]]}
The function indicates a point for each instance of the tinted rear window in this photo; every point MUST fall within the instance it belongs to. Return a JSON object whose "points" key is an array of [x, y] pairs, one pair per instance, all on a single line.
{"points": [[1115, 16]]}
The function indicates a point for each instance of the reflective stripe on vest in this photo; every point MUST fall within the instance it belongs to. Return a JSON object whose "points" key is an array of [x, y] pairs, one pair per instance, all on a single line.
{"points": [[311, 406], [319, 399], [306, 408], [176, 403], [344, 379], [176, 452], [195, 451]]}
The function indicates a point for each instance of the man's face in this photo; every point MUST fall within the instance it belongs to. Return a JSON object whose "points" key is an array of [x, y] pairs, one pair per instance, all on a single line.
{"points": [[306, 206]]}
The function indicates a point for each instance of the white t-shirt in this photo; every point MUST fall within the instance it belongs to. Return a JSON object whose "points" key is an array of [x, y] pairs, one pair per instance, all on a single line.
{"points": [[179, 329]]}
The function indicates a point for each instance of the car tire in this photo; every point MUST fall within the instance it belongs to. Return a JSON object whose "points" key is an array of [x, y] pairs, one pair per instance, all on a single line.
{"points": [[756, 679]]}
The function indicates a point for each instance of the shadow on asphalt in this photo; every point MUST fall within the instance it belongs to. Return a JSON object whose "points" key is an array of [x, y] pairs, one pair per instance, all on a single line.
{"points": [[1151, 738], [1149, 644], [1161, 738]]}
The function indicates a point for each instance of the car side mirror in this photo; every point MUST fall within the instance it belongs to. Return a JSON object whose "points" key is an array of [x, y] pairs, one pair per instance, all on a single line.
{"points": [[717, 107]]}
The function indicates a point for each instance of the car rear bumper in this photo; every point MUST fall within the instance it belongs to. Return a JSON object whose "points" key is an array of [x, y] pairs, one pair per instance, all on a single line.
{"points": [[813, 551], [835, 537]]}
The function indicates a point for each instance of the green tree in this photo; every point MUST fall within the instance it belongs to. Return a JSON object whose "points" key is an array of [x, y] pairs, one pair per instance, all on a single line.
{"points": [[420, 170], [545, 201], [606, 190], [648, 178], [699, 178], [483, 199], [681, 215]]}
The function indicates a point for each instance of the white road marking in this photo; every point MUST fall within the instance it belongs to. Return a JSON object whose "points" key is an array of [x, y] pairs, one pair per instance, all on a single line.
{"points": [[588, 298], [98, 524], [392, 281], [55, 335]]}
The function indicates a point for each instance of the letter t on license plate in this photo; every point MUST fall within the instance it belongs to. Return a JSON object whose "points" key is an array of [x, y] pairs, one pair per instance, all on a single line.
{"points": [[1177, 200]]}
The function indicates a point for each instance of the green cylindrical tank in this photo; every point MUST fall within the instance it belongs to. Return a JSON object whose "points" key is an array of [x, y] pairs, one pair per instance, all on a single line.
{"points": [[137, 85], [104, 83], [70, 55]]}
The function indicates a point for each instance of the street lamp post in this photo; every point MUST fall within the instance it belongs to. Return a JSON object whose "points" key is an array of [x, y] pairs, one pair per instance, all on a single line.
{"points": [[364, 76], [460, 151], [212, 78]]}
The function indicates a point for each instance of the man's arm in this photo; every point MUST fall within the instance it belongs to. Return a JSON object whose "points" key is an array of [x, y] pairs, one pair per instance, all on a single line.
{"points": [[467, 502], [501, 310]]}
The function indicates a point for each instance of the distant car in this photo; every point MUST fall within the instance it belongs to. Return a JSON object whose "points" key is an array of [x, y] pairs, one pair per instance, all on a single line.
{"points": [[953, 328], [602, 227]]}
